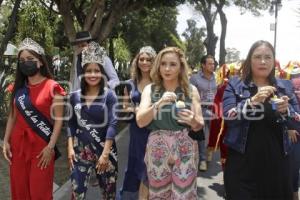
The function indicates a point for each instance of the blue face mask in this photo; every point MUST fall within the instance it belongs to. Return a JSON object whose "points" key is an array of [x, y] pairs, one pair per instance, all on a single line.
{"points": [[28, 68]]}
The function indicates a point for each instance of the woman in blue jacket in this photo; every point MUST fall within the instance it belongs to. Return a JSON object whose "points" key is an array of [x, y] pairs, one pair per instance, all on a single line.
{"points": [[258, 110]]}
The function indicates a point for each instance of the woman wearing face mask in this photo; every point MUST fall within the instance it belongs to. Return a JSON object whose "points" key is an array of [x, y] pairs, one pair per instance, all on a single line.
{"points": [[171, 155], [33, 125], [258, 110], [135, 176], [92, 128]]}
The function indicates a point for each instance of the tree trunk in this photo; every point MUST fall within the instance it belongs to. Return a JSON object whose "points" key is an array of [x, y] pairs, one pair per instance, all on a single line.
{"points": [[222, 54], [10, 30], [99, 21], [64, 8], [211, 39]]}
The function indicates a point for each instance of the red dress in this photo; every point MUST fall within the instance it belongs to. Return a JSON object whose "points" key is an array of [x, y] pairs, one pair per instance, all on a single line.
{"points": [[28, 182], [217, 126]]}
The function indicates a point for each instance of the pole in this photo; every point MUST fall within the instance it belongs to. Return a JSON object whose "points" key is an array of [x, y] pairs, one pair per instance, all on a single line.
{"points": [[275, 32]]}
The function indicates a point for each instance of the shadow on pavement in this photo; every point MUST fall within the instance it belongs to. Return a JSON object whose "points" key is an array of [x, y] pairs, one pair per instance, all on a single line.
{"points": [[210, 182]]}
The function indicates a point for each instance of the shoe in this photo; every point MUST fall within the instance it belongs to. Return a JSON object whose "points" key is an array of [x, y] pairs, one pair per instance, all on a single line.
{"points": [[203, 165], [209, 155]]}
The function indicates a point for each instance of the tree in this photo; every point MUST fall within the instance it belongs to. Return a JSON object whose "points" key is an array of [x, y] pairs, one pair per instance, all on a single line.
{"points": [[100, 16], [254, 6], [233, 55], [32, 20], [121, 53], [37, 23], [209, 13], [194, 43], [223, 20], [10, 28], [155, 27], [210, 8]]}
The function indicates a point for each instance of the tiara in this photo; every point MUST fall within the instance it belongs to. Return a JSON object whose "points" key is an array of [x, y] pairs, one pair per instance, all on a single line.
{"points": [[149, 50], [94, 53], [30, 44]]}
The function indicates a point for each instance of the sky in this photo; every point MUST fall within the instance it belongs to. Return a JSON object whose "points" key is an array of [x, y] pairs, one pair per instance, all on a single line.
{"points": [[244, 30]]}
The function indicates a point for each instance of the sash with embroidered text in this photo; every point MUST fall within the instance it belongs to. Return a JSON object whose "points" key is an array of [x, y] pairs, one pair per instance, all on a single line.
{"points": [[88, 129], [34, 118]]}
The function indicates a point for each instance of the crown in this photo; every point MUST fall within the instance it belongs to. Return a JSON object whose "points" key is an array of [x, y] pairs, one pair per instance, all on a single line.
{"points": [[30, 44], [149, 50], [94, 53]]}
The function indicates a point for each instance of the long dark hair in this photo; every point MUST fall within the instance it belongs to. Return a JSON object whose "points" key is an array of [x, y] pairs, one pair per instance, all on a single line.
{"points": [[83, 84], [20, 78], [246, 66]]}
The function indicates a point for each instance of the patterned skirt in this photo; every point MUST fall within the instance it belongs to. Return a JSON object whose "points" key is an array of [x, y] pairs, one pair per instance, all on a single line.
{"points": [[172, 159]]}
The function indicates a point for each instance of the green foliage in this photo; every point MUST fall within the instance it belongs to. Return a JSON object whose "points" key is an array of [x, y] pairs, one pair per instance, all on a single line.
{"points": [[159, 3], [4, 96], [46, 28], [195, 48], [232, 55], [254, 6], [155, 27], [5, 13], [36, 22], [122, 53], [178, 42]]}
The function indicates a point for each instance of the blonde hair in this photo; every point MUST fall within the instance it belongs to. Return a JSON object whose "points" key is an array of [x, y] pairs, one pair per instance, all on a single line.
{"points": [[183, 78], [135, 72]]}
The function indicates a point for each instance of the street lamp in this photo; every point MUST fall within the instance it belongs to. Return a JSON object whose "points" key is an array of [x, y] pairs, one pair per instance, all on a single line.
{"points": [[275, 5]]}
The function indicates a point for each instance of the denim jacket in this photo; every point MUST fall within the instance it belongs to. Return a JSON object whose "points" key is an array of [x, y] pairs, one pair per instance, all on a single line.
{"points": [[235, 96]]}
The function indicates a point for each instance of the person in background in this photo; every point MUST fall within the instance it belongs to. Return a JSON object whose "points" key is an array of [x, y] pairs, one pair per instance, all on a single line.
{"points": [[33, 126], [92, 128], [258, 110], [81, 41], [171, 155], [217, 126], [295, 139], [205, 83], [135, 180]]}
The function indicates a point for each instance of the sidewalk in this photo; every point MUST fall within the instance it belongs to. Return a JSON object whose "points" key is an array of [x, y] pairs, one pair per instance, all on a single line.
{"points": [[210, 186], [210, 183], [122, 140]]}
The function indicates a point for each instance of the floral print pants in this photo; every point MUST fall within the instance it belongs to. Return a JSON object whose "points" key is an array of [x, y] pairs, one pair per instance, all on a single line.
{"points": [[172, 160], [83, 167]]}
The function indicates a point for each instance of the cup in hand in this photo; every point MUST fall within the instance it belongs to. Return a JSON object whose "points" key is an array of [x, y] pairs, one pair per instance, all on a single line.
{"points": [[275, 101], [179, 105]]}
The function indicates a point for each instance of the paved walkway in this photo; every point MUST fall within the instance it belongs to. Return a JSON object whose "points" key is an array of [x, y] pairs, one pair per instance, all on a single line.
{"points": [[122, 140], [209, 182]]}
